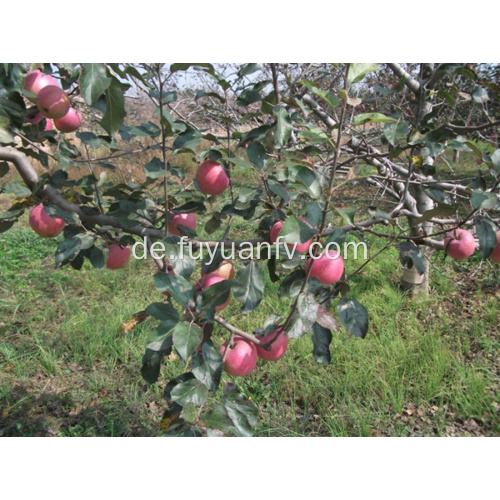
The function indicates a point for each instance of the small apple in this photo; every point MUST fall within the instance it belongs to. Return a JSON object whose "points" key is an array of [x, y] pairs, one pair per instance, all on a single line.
{"points": [[495, 256], [278, 347], [36, 81], [35, 120], [53, 102], [70, 122], [459, 244], [328, 268], [212, 178], [209, 280], [241, 358], [276, 230], [188, 220], [118, 255], [225, 270], [43, 224]]}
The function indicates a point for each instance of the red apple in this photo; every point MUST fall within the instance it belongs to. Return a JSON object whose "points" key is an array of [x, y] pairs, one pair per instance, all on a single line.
{"points": [[188, 220], [118, 256], [43, 224], [53, 102], [328, 268], [459, 244], [35, 120], [36, 81], [276, 230], [241, 358], [212, 178], [495, 256], [70, 122], [278, 347], [209, 280], [225, 270]]}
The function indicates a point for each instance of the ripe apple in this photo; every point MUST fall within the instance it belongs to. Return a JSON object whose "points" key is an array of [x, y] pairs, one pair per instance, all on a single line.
{"points": [[35, 120], [209, 280], [276, 230], [53, 102], [328, 268], [225, 270], [459, 244], [43, 224], [188, 220], [241, 358], [278, 347], [118, 255], [70, 122], [495, 256], [212, 178], [36, 81]]}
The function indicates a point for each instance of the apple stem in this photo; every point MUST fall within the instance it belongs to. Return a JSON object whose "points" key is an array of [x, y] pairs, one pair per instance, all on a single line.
{"points": [[236, 331]]}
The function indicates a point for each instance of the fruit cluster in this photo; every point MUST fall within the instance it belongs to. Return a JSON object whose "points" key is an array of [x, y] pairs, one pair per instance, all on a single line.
{"points": [[52, 103]]}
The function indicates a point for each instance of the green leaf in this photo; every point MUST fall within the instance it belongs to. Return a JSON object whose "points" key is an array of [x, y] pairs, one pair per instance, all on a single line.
{"points": [[20, 190], [187, 140], [155, 169], [248, 69], [249, 290], [321, 338], [180, 288], [372, 118], [395, 132], [163, 311], [191, 391], [283, 128], [257, 154], [353, 316], [242, 412], [306, 317], [296, 231], [327, 96], [115, 107], [151, 361], [486, 234], [306, 177], [67, 250], [215, 295], [441, 210], [12, 110], [96, 258], [314, 135], [347, 214], [487, 201], [338, 236], [358, 70], [187, 337], [93, 82], [208, 366], [4, 168], [248, 97], [409, 253]]}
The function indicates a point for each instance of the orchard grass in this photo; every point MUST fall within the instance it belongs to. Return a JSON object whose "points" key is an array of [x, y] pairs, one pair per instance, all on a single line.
{"points": [[425, 368]]}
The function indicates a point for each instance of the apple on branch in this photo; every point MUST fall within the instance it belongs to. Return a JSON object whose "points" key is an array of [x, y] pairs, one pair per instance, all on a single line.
{"points": [[459, 244], [240, 358], [43, 224], [212, 178]]}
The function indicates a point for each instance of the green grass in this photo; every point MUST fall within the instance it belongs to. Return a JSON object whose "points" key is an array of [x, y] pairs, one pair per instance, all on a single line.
{"points": [[425, 368]]}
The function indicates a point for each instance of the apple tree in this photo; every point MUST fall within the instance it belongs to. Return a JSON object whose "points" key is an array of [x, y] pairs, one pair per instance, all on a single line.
{"points": [[303, 132]]}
